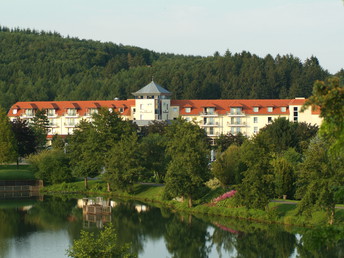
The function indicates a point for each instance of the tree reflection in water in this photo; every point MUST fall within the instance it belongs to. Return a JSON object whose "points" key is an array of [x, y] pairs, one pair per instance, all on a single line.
{"points": [[181, 235]]}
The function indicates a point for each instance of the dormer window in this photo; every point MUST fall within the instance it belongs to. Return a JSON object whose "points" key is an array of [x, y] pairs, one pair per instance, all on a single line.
{"points": [[92, 111], [15, 111], [255, 109], [283, 109], [236, 110], [209, 110], [121, 110], [187, 110], [270, 109], [71, 111], [51, 112], [29, 112]]}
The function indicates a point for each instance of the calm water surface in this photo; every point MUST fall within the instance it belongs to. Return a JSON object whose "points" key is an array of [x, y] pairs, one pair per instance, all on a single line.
{"points": [[46, 228]]}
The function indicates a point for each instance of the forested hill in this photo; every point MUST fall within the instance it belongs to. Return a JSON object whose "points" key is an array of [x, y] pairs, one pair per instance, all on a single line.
{"points": [[46, 66]]}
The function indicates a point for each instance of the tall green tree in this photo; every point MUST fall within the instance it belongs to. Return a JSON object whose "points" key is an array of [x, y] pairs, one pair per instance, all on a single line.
{"points": [[123, 166], [40, 123], [329, 97], [322, 171], [318, 178], [8, 150], [154, 157], [189, 152], [256, 188], [91, 142], [84, 152], [229, 166], [25, 138]]}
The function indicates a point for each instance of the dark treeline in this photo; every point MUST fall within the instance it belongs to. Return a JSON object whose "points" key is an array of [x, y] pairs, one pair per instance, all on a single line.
{"points": [[38, 65]]}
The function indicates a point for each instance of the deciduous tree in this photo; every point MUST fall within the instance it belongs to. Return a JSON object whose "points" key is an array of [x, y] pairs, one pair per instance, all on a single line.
{"points": [[189, 152]]}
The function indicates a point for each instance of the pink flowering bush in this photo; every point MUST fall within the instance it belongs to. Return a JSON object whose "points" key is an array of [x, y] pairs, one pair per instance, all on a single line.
{"points": [[225, 196]]}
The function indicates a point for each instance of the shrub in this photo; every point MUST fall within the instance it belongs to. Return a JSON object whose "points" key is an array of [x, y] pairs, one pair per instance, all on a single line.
{"points": [[51, 166]]}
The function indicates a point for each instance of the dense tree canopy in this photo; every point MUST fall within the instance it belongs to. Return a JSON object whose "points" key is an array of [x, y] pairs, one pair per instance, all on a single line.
{"points": [[7, 140], [45, 66], [188, 169]]}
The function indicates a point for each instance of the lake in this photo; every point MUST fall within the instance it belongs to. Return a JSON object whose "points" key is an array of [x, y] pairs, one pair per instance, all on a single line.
{"points": [[46, 227]]}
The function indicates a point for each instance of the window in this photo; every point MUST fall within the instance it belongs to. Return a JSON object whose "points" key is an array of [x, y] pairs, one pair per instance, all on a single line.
{"points": [[92, 111], [210, 121], [52, 122], [283, 109], [175, 109], [211, 130], [51, 112], [29, 112], [14, 111], [255, 109], [236, 110], [255, 129], [270, 109], [134, 110], [70, 121], [71, 111], [121, 110], [235, 120], [110, 110], [269, 120], [210, 110], [141, 106], [187, 110], [255, 120], [296, 114]]}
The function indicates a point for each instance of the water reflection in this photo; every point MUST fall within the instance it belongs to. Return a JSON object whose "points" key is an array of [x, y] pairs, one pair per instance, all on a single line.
{"points": [[177, 235]]}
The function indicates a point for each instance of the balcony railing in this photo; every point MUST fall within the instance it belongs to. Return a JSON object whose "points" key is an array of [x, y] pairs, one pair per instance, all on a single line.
{"points": [[210, 124], [208, 114], [69, 124], [236, 123], [52, 125], [237, 113]]}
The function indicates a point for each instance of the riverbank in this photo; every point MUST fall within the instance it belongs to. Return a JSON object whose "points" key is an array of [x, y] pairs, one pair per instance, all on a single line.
{"points": [[281, 212]]}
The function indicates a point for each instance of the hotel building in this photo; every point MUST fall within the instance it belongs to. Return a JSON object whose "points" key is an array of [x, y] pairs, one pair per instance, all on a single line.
{"points": [[153, 102]]}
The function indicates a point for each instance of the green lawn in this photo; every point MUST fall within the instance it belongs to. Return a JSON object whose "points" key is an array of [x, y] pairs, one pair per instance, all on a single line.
{"points": [[11, 172]]}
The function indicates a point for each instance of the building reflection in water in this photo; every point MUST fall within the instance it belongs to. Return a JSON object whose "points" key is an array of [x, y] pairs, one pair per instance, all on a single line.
{"points": [[97, 211]]}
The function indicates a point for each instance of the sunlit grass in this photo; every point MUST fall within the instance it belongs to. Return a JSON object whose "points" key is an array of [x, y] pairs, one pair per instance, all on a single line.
{"points": [[11, 172]]}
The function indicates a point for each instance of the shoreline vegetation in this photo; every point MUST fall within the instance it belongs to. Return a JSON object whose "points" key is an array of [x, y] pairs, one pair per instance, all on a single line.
{"points": [[277, 212]]}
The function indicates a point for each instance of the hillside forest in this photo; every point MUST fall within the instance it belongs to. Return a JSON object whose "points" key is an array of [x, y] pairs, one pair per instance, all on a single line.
{"points": [[39, 66]]}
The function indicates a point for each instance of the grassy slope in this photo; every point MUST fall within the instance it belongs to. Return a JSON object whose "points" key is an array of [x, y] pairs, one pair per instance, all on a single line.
{"points": [[284, 213], [11, 172]]}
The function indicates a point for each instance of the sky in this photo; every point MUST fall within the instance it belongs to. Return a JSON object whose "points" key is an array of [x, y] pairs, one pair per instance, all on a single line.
{"points": [[301, 28]]}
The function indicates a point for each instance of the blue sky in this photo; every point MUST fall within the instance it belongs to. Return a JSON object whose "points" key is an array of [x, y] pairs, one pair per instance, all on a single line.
{"points": [[195, 27]]}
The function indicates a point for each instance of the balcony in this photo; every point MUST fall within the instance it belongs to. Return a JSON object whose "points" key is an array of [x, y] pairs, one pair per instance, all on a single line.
{"points": [[71, 115], [213, 134], [213, 124], [237, 113], [209, 114], [69, 124], [236, 123], [52, 125]]}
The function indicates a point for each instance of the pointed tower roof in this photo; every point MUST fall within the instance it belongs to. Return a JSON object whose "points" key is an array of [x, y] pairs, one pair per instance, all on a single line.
{"points": [[152, 89]]}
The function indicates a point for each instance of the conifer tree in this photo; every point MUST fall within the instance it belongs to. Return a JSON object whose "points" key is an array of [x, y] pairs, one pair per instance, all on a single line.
{"points": [[7, 140]]}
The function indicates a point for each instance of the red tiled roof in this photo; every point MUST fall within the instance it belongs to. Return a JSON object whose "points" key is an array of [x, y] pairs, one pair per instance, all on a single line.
{"points": [[297, 101], [82, 106], [222, 106]]}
